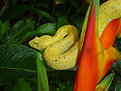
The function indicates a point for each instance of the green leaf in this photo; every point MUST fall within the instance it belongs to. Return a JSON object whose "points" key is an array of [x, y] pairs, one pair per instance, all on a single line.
{"points": [[19, 30], [22, 85], [118, 87], [3, 28], [62, 21], [45, 14], [48, 28], [41, 73], [18, 10], [105, 83], [16, 61]]}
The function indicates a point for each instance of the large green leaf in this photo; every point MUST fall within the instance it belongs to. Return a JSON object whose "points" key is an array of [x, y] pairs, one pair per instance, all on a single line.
{"points": [[42, 76], [16, 61], [48, 28], [18, 10], [22, 85], [20, 29]]}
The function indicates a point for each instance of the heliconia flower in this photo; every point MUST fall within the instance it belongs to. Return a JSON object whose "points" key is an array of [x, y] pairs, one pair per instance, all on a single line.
{"points": [[107, 40], [105, 83], [97, 54]]}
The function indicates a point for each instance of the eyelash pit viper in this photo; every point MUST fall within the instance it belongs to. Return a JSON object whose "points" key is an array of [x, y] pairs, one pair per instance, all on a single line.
{"points": [[62, 49]]}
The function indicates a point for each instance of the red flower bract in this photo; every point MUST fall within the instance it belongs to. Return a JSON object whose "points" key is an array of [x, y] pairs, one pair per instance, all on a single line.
{"points": [[97, 54]]}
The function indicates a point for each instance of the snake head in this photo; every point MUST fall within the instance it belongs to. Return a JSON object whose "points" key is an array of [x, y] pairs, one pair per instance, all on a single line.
{"points": [[35, 43], [41, 43]]}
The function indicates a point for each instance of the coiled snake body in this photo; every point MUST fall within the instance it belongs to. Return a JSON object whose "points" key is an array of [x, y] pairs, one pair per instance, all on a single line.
{"points": [[62, 49]]}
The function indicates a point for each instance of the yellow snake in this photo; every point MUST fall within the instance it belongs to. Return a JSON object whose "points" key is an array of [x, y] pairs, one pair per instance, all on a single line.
{"points": [[62, 49]]}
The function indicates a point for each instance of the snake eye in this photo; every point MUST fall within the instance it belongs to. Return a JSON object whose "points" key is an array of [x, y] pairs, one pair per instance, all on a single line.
{"points": [[35, 42], [65, 35]]}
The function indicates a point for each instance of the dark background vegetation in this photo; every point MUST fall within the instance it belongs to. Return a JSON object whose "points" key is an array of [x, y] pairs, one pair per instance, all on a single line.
{"points": [[21, 21]]}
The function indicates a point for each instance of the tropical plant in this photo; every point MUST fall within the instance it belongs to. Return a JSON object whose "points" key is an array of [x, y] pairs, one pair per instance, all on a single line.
{"points": [[24, 68]]}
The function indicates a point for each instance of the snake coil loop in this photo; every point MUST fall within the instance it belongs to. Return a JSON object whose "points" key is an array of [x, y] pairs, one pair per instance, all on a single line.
{"points": [[60, 49]]}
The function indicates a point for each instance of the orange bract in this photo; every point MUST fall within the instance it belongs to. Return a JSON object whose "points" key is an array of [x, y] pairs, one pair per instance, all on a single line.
{"points": [[108, 36]]}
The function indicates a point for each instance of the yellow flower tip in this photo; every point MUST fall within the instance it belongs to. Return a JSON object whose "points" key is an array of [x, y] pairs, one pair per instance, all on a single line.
{"points": [[111, 55]]}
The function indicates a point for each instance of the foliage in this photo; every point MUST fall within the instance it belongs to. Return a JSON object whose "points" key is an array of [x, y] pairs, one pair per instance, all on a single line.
{"points": [[20, 66]]}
